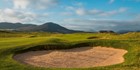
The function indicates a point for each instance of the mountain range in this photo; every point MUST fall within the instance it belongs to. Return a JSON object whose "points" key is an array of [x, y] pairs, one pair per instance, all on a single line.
{"points": [[47, 27]]}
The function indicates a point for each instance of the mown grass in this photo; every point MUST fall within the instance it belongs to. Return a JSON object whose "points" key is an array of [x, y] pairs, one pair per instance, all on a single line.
{"points": [[23, 43]]}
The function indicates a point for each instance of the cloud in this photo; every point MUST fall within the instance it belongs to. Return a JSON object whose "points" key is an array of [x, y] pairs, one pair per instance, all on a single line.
{"points": [[111, 1], [81, 11], [102, 24], [137, 17], [70, 8], [113, 12], [8, 15], [39, 4], [66, 13], [21, 4], [11, 15], [95, 12]]}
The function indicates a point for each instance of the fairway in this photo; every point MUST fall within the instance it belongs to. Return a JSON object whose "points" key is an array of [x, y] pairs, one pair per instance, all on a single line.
{"points": [[23, 42]]}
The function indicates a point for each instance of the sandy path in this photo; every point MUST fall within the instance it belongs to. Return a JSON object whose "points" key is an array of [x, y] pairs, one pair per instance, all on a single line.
{"points": [[73, 58]]}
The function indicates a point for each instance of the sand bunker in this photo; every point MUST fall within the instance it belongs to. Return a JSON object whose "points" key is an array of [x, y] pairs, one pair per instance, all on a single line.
{"points": [[73, 58]]}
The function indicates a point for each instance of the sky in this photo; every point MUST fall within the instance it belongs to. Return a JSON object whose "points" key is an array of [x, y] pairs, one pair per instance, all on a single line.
{"points": [[87, 15]]}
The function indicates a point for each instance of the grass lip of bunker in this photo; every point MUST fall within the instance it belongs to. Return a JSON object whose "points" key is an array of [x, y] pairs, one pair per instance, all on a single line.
{"points": [[83, 57]]}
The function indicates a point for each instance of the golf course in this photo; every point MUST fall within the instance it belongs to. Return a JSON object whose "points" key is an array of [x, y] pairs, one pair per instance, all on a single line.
{"points": [[69, 51], [69, 34]]}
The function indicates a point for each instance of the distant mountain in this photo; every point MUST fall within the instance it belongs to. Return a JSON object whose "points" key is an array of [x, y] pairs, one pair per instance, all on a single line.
{"points": [[8, 25], [47, 27], [126, 31]]}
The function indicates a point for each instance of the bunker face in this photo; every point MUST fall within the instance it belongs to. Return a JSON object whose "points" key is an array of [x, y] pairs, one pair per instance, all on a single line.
{"points": [[74, 58]]}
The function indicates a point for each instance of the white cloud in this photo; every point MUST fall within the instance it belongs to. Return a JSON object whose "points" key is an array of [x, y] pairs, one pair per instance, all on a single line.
{"points": [[95, 11], [137, 17], [70, 8], [11, 15], [83, 12], [40, 4], [111, 1], [66, 13], [113, 12], [123, 9], [8, 15], [21, 4]]}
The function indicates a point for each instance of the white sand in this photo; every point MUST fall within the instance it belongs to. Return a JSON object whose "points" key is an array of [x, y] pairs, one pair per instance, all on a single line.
{"points": [[73, 58]]}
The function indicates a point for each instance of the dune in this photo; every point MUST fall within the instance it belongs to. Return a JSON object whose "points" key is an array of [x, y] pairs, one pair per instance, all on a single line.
{"points": [[84, 57]]}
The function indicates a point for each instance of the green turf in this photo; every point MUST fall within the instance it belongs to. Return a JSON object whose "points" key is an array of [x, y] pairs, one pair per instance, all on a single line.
{"points": [[13, 43]]}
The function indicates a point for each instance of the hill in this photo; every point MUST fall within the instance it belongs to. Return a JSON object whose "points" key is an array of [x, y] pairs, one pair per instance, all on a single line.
{"points": [[8, 25], [47, 27]]}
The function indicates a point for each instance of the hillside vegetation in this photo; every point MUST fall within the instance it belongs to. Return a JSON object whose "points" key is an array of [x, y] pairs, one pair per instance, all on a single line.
{"points": [[12, 43]]}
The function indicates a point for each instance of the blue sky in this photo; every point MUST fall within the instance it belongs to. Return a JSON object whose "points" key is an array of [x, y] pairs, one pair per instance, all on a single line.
{"points": [[88, 15]]}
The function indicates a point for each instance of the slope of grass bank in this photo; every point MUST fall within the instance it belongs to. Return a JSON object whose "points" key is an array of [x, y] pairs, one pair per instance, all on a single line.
{"points": [[17, 44]]}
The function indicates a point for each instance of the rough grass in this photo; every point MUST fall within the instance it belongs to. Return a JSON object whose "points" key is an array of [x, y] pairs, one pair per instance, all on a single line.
{"points": [[23, 42]]}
